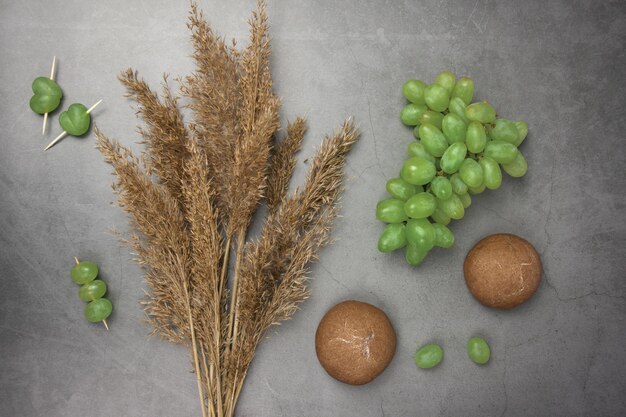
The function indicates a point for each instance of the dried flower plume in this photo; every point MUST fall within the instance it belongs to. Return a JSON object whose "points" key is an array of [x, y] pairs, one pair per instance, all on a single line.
{"points": [[192, 194]]}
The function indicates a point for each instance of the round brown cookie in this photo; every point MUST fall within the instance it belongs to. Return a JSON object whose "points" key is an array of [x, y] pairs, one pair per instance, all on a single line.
{"points": [[355, 342], [502, 271]]}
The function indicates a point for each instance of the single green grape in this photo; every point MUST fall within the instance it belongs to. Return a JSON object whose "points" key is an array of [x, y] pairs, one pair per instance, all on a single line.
{"points": [[457, 107], [420, 233], [428, 356], [391, 210], [458, 186], [453, 207], [466, 200], [440, 217], [518, 167], [453, 157], [491, 173], [98, 310], [501, 152], [504, 130], [418, 171], [413, 90], [444, 238], [92, 290], [475, 139], [522, 130], [414, 255], [437, 97], [431, 117], [84, 272], [477, 190], [416, 131], [401, 189], [447, 80], [471, 173], [420, 206], [464, 89], [433, 139], [478, 350], [453, 128], [392, 238], [441, 187], [417, 149], [411, 112], [482, 112]]}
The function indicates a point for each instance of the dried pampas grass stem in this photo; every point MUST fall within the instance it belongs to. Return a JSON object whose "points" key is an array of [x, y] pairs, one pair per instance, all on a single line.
{"points": [[192, 194]]}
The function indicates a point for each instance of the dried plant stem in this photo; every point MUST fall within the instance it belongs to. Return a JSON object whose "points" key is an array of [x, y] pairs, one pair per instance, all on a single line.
{"points": [[224, 266], [210, 407], [194, 350], [232, 332]]}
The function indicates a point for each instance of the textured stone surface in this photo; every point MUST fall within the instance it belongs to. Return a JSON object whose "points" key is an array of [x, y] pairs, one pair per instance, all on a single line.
{"points": [[558, 65]]}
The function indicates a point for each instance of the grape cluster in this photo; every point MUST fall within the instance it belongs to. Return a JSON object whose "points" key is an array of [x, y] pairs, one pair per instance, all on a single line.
{"points": [[92, 291], [462, 149]]}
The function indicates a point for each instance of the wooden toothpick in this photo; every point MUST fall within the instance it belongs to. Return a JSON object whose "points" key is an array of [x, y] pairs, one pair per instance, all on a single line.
{"points": [[64, 133], [45, 116]]}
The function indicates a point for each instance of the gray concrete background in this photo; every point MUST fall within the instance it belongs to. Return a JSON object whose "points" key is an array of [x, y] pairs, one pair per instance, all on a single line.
{"points": [[558, 65]]}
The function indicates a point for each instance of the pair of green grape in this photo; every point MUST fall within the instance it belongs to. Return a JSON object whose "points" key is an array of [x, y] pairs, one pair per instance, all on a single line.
{"points": [[462, 150], [92, 290], [431, 355]]}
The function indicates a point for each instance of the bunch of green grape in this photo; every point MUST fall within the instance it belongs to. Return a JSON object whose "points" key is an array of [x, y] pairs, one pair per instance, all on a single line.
{"points": [[461, 150]]}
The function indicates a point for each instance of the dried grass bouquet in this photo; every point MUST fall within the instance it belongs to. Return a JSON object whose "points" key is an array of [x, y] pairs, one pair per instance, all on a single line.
{"points": [[192, 194]]}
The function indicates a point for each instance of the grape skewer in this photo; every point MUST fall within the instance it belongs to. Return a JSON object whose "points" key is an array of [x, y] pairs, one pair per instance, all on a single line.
{"points": [[64, 133], [92, 291]]}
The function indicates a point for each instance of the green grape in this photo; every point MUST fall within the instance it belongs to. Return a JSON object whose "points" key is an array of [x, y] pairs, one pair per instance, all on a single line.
{"points": [[444, 238], [391, 210], [441, 187], [453, 128], [418, 149], [98, 310], [446, 79], [476, 190], [464, 89], [392, 238], [453, 207], [482, 112], [478, 350], [420, 233], [491, 173], [432, 117], [420, 206], [413, 90], [414, 255], [466, 200], [428, 356], [437, 97], [471, 173], [411, 112], [501, 152], [457, 107], [453, 157], [433, 139], [440, 217], [522, 130], [416, 131], [418, 171], [84, 272], [458, 186], [401, 189], [476, 139], [504, 130], [518, 167], [92, 290]]}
